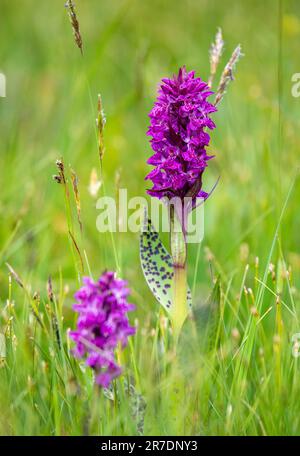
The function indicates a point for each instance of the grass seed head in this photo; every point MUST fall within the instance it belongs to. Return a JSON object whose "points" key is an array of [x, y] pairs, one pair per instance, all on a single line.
{"points": [[227, 75], [60, 178], [15, 275], [215, 54], [50, 289], [254, 311], [74, 179], [75, 24], [100, 123]]}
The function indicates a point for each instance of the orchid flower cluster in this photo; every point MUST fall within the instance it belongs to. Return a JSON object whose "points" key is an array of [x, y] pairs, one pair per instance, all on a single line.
{"points": [[179, 120], [102, 324]]}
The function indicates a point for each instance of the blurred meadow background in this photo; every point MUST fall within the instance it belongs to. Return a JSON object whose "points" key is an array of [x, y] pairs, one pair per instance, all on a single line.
{"points": [[247, 381]]}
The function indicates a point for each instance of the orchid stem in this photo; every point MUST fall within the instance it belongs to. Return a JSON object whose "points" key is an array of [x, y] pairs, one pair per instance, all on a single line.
{"points": [[180, 301], [178, 249]]}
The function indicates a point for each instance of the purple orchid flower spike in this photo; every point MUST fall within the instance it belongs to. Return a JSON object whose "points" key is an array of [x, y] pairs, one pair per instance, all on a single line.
{"points": [[102, 324], [180, 119]]}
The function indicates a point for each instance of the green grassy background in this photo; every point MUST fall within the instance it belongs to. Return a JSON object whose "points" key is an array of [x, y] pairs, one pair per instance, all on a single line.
{"points": [[241, 385]]}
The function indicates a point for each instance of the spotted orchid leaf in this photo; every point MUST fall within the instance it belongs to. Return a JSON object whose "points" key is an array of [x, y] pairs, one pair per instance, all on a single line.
{"points": [[157, 266]]}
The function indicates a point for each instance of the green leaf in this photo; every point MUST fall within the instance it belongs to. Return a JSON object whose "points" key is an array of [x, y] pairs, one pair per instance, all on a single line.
{"points": [[207, 318], [204, 325], [157, 266]]}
